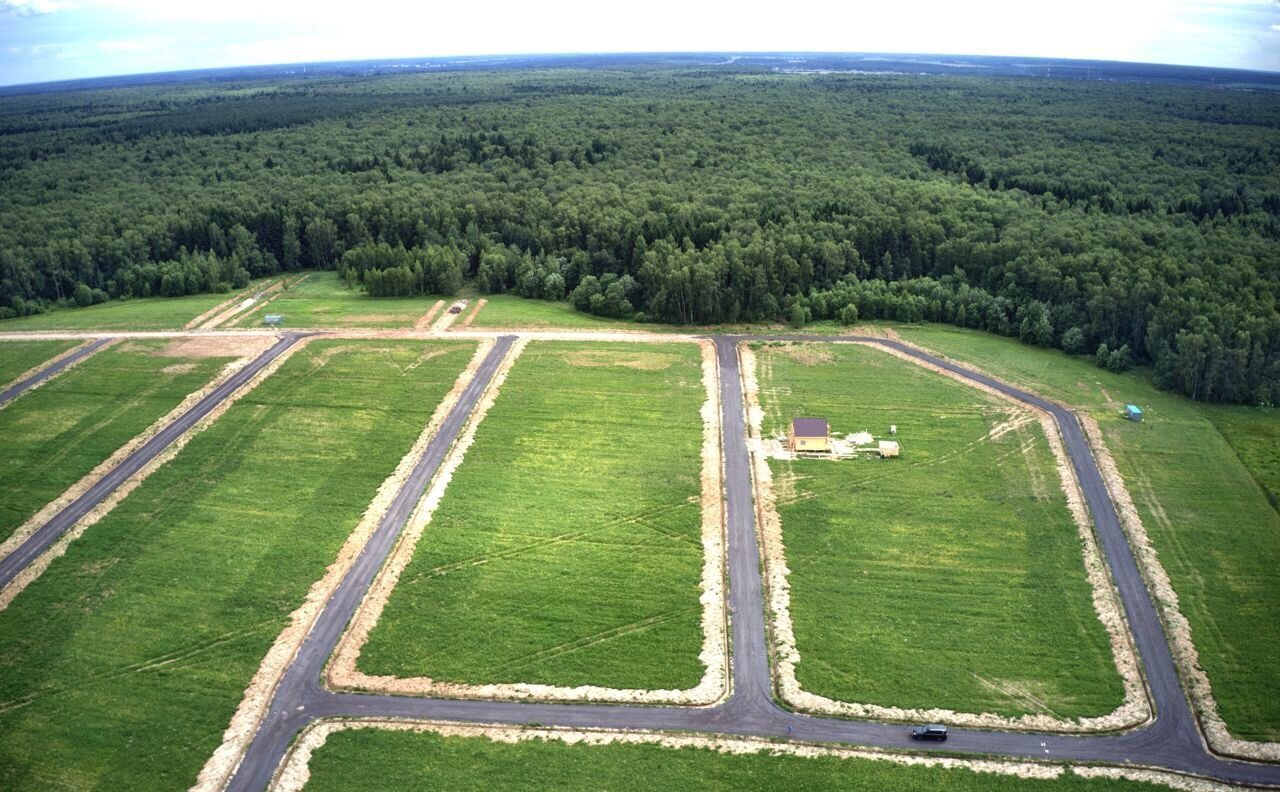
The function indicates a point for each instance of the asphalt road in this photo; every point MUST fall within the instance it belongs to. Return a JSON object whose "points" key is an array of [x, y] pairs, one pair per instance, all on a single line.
{"points": [[61, 522], [18, 388], [1171, 742]]}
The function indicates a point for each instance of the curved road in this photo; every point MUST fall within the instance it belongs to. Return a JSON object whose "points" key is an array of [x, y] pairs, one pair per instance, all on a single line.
{"points": [[1172, 742], [61, 522], [19, 388]]}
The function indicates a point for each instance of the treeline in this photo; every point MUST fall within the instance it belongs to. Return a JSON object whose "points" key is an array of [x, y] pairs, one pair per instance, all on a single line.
{"points": [[1112, 220]]}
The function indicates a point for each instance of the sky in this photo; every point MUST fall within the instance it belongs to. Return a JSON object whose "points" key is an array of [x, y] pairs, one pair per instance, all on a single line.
{"points": [[45, 40]]}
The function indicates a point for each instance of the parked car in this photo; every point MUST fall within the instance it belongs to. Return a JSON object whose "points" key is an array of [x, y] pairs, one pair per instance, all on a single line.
{"points": [[931, 731]]}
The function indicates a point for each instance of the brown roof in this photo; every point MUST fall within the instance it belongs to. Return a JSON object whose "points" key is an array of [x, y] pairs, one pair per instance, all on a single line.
{"points": [[809, 427]]}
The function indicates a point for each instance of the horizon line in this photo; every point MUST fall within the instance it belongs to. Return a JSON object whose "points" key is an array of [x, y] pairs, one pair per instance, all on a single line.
{"points": [[69, 82]]}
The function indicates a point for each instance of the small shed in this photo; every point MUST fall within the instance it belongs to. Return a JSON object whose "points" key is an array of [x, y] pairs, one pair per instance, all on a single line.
{"points": [[273, 319], [888, 448], [809, 434], [1133, 412]]}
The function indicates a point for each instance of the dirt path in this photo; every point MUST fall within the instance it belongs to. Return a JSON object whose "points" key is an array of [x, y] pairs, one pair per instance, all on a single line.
{"points": [[471, 315], [240, 306], [446, 319], [260, 307], [424, 321], [1133, 710]]}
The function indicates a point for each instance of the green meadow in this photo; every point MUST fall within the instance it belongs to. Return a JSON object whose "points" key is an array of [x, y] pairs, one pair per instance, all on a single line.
{"points": [[566, 550], [322, 299], [949, 577], [18, 357], [57, 433], [1197, 475], [370, 760], [124, 663]]}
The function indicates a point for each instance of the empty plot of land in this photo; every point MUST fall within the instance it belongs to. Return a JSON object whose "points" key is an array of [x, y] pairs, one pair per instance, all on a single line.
{"points": [[322, 299], [58, 433], [1193, 471], [951, 577], [19, 357], [507, 311], [150, 313], [123, 664], [567, 549], [371, 759]]}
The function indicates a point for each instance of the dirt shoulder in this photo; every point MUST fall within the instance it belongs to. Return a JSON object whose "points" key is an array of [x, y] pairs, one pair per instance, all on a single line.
{"points": [[424, 321], [1134, 709]]}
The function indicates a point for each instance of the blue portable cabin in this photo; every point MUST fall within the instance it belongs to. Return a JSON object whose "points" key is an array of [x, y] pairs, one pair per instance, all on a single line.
{"points": [[273, 319], [1133, 412]]}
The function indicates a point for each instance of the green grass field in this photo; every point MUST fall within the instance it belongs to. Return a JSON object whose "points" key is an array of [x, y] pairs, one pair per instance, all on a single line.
{"points": [[950, 577], [566, 550], [1193, 471], [507, 311], [18, 357], [57, 433], [322, 299], [149, 313], [369, 760], [123, 664]]}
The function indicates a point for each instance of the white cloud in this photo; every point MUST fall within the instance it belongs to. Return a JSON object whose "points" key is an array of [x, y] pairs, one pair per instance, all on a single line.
{"points": [[31, 7]]}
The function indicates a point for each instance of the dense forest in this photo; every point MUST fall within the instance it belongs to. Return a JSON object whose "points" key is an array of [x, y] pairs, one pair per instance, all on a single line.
{"points": [[1138, 223]]}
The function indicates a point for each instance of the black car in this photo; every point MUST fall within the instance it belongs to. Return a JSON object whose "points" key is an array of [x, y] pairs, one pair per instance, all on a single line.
{"points": [[932, 731]]}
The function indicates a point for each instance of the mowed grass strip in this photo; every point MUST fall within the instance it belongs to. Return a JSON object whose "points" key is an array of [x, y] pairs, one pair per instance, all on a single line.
{"points": [[322, 299], [372, 760], [951, 577], [56, 434], [18, 357], [1193, 471], [566, 550], [121, 666]]}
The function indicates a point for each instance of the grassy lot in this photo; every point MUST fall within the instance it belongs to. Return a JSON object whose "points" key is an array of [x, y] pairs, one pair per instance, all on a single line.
{"points": [[17, 357], [123, 664], [1191, 470], [322, 299], [951, 577], [150, 313], [57, 433], [509, 311], [566, 550], [381, 761]]}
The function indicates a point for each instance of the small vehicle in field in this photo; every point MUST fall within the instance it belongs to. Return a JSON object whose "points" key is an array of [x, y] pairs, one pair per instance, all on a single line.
{"points": [[457, 307], [931, 731]]}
